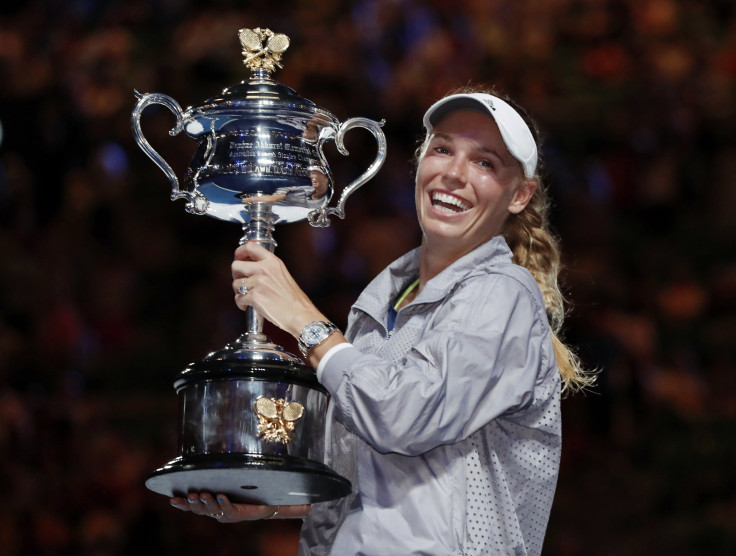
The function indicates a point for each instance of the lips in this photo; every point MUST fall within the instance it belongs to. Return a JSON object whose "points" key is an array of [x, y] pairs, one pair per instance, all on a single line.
{"points": [[448, 203]]}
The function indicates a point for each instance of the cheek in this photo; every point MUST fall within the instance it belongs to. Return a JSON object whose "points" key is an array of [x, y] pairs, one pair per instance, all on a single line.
{"points": [[417, 198], [420, 182], [502, 193], [421, 171]]}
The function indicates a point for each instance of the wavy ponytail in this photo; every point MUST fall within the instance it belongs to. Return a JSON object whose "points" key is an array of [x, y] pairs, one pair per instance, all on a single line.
{"points": [[530, 239], [535, 248]]}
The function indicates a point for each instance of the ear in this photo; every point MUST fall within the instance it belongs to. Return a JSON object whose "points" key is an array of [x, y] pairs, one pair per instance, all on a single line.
{"points": [[523, 194]]}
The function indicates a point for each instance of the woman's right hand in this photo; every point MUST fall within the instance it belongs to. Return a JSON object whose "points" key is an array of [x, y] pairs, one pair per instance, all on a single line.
{"points": [[224, 511]]}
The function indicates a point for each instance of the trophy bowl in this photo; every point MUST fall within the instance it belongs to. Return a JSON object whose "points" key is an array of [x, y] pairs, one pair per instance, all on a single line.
{"points": [[251, 415]]}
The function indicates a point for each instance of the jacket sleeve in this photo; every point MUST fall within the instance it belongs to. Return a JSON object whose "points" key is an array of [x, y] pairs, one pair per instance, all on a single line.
{"points": [[478, 359]]}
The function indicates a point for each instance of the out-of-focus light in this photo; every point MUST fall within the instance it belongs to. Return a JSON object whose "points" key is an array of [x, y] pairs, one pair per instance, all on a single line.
{"points": [[114, 159]]}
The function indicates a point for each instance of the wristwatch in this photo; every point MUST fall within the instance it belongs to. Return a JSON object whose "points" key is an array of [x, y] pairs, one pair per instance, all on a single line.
{"points": [[314, 334]]}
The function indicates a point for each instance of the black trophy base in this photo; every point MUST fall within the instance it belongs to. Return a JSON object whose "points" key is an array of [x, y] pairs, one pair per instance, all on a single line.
{"points": [[250, 479]]}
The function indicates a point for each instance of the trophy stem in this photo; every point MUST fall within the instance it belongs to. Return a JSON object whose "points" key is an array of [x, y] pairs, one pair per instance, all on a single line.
{"points": [[253, 323], [254, 344], [257, 227]]}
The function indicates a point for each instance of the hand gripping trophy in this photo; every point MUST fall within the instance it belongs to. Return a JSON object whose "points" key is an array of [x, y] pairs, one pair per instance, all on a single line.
{"points": [[252, 416]]}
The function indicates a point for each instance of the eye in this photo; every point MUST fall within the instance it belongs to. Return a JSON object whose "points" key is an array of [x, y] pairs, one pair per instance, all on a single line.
{"points": [[487, 164], [442, 150]]}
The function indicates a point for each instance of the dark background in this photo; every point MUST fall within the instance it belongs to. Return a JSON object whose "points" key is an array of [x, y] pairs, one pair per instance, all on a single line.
{"points": [[108, 289]]}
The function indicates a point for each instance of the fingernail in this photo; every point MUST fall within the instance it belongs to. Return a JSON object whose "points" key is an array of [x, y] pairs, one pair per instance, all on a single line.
{"points": [[203, 501], [192, 500], [220, 499]]}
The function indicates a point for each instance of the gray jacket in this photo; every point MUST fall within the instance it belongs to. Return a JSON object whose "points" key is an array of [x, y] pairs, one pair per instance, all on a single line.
{"points": [[449, 428]]}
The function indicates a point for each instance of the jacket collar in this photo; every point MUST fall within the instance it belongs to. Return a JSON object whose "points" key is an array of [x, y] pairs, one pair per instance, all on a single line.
{"points": [[377, 296]]}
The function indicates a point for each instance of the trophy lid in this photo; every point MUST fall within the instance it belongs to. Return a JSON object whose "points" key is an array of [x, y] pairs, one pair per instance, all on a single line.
{"points": [[262, 52]]}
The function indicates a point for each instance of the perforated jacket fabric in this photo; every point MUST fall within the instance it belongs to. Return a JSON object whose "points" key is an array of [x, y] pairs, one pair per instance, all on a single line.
{"points": [[449, 428]]}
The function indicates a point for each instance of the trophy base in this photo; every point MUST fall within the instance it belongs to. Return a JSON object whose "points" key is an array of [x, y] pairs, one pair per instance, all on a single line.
{"points": [[250, 479]]}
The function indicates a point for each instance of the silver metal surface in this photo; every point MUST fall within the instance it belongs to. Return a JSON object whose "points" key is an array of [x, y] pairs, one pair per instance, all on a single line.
{"points": [[218, 417]]}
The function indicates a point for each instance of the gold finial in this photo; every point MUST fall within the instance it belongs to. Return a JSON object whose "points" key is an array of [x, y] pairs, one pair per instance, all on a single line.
{"points": [[260, 56]]}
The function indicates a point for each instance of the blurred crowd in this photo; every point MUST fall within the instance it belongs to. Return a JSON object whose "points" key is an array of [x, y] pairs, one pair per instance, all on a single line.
{"points": [[108, 289]]}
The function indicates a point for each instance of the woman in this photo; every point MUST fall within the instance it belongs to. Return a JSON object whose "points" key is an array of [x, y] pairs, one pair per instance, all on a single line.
{"points": [[445, 388]]}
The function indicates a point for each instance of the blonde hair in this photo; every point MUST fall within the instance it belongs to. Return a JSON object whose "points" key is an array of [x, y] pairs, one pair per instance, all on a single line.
{"points": [[535, 247]]}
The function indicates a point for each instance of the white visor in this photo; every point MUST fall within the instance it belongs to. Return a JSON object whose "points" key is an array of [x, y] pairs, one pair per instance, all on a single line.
{"points": [[514, 131]]}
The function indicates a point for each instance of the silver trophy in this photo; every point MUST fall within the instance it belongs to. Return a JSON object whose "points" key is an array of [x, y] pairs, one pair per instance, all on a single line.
{"points": [[252, 416]]}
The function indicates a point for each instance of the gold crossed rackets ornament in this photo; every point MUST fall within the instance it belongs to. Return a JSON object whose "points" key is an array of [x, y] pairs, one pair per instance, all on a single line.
{"points": [[276, 418], [262, 48]]}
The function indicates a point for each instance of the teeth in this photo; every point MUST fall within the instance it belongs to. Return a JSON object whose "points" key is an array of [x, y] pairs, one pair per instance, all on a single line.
{"points": [[450, 203]]}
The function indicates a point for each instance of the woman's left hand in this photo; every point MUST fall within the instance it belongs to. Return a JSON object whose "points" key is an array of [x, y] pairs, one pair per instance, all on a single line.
{"points": [[261, 280], [220, 508]]}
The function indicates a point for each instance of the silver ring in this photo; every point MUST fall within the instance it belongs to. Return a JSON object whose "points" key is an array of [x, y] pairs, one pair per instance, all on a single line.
{"points": [[274, 514], [217, 516], [243, 289]]}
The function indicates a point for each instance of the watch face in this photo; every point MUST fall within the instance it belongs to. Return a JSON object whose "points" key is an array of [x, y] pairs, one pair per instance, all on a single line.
{"points": [[313, 334]]}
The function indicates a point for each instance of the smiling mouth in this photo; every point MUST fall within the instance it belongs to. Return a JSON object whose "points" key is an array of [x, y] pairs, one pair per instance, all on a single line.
{"points": [[448, 203]]}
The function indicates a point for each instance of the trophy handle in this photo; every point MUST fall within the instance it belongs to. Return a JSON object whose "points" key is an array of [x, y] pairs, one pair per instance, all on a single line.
{"points": [[320, 217], [196, 204]]}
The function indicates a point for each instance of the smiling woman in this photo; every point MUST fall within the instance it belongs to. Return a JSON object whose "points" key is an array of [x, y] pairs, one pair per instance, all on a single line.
{"points": [[467, 185], [526, 231], [445, 388]]}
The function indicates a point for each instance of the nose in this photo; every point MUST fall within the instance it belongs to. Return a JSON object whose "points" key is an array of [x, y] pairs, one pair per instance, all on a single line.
{"points": [[456, 170]]}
